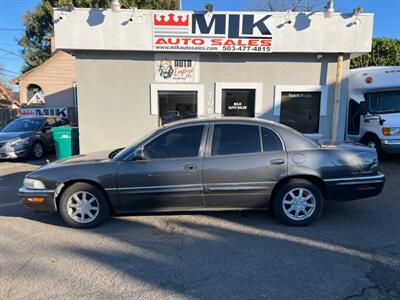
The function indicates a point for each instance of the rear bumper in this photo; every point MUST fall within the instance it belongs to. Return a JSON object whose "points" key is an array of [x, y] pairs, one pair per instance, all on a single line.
{"points": [[30, 198], [345, 189], [391, 146]]}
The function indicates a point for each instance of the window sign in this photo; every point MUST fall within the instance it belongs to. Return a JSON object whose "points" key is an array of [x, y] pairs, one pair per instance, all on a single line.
{"points": [[176, 67]]}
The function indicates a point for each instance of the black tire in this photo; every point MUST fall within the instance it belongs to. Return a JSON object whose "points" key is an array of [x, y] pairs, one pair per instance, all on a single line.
{"points": [[375, 143], [283, 211], [101, 202], [37, 154]]}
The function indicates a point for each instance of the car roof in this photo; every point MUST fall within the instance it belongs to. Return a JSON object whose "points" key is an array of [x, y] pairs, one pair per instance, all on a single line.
{"points": [[223, 119], [39, 117]]}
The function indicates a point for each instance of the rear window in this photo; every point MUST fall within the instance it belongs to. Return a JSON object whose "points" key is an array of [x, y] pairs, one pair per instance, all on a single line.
{"points": [[235, 139]]}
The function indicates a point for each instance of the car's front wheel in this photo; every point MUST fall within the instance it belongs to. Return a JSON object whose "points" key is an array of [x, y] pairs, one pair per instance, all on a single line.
{"points": [[83, 205], [298, 203], [37, 150]]}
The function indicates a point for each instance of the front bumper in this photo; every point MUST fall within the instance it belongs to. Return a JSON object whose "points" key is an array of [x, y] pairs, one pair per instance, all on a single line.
{"points": [[12, 154], [30, 197], [345, 189], [391, 146]]}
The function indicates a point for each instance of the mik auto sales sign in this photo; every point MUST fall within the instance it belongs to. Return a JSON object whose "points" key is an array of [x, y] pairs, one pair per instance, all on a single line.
{"points": [[221, 32]]}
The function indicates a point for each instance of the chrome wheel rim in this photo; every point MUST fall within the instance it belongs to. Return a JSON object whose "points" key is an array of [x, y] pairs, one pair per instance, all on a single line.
{"points": [[38, 150], [372, 144], [299, 204], [83, 207]]}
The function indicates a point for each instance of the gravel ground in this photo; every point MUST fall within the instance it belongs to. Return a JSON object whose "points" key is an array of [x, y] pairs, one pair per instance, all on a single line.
{"points": [[352, 252]]}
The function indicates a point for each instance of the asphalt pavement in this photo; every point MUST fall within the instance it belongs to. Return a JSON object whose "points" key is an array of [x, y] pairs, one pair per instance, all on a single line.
{"points": [[352, 252]]}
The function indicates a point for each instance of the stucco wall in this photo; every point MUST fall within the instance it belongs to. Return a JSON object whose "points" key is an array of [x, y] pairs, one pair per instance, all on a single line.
{"points": [[114, 89]]}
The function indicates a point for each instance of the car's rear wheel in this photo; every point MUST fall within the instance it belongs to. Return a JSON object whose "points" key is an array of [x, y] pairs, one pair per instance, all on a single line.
{"points": [[37, 150], [83, 205], [298, 203]]}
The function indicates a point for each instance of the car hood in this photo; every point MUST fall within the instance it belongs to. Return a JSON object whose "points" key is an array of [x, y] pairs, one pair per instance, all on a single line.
{"points": [[8, 136]]}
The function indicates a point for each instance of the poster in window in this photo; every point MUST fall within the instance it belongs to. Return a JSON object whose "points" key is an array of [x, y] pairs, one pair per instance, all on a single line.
{"points": [[176, 67]]}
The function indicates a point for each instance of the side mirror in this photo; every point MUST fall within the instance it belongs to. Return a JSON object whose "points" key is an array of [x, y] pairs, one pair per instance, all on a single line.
{"points": [[363, 108], [139, 155], [46, 128]]}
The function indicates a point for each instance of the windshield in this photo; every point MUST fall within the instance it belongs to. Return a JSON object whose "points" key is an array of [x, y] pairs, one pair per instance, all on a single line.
{"points": [[383, 102], [128, 150], [24, 124]]}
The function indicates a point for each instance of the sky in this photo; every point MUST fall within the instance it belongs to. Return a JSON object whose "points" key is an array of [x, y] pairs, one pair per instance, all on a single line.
{"points": [[387, 22]]}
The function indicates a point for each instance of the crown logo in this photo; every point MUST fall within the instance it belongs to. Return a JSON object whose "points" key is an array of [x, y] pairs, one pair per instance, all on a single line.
{"points": [[171, 20], [166, 61]]}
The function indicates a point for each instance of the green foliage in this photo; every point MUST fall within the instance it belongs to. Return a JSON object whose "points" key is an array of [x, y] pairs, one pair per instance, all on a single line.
{"points": [[39, 24], [385, 52]]}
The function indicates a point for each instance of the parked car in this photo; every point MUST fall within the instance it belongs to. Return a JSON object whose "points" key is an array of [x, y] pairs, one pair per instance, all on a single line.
{"points": [[28, 136], [209, 164]]}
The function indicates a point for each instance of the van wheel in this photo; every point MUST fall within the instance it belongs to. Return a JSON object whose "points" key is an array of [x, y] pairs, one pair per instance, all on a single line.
{"points": [[83, 206], [375, 143], [298, 203]]}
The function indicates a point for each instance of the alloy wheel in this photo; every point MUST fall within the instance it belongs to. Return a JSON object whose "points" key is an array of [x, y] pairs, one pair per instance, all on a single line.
{"points": [[299, 204], [83, 207], [38, 150]]}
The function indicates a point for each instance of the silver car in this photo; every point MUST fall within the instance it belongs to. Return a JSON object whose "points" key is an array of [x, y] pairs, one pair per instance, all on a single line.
{"points": [[207, 164]]}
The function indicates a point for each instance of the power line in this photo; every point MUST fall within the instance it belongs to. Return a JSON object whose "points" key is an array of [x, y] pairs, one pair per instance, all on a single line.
{"points": [[9, 71], [9, 52], [12, 29]]}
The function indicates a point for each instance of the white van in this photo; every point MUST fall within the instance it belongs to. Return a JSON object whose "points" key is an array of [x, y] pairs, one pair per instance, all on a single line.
{"points": [[373, 116]]}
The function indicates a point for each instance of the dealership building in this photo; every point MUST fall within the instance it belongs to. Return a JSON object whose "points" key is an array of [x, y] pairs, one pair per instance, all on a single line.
{"points": [[139, 69]]}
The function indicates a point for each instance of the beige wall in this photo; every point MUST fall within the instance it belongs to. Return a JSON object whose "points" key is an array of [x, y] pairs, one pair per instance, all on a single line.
{"points": [[56, 77], [114, 89]]}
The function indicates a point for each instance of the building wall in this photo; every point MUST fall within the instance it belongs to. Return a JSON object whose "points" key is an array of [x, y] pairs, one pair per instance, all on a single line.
{"points": [[115, 87], [56, 77]]}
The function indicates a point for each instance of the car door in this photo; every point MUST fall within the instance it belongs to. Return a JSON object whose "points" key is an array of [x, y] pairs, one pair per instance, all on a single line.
{"points": [[170, 176], [47, 134], [242, 164]]}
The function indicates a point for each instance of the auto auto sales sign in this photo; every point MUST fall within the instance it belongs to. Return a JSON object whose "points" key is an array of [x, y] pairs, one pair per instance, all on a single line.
{"points": [[210, 32]]}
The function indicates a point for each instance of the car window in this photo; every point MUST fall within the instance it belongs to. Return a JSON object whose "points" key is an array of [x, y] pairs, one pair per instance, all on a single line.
{"points": [[235, 139], [62, 122], [176, 143], [24, 124], [270, 140]]}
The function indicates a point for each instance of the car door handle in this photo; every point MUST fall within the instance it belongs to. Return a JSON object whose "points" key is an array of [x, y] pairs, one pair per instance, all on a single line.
{"points": [[277, 161], [189, 167]]}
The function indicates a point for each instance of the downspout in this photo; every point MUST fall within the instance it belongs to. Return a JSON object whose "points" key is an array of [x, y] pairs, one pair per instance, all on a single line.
{"points": [[336, 106]]}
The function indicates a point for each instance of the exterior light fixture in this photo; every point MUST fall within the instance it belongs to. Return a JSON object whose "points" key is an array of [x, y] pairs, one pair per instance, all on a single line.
{"points": [[329, 9], [115, 6], [208, 8]]}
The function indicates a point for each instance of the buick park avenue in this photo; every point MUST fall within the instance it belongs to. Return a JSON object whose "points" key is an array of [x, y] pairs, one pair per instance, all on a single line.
{"points": [[207, 164]]}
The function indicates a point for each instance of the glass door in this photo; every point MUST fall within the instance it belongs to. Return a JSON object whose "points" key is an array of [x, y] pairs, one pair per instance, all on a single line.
{"points": [[238, 102], [176, 105]]}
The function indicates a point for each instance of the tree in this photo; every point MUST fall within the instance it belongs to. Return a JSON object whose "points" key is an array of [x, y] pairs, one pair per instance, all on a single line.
{"points": [[286, 5], [39, 24], [385, 52]]}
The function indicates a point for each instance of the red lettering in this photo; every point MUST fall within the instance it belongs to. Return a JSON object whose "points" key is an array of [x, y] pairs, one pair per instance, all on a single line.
{"points": [[216, 42], [241, 43], [186, 41], [198, 42], [253, 43], [172, 41], [161, 41], [229, 42], [267, 43]]}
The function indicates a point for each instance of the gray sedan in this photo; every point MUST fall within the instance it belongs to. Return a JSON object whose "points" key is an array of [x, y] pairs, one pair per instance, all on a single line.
{"points": [[207, 164], [28, 137]]}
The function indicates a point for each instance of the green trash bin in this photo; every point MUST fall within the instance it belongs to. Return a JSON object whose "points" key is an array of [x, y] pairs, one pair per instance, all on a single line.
{"points": [[66, 139]]}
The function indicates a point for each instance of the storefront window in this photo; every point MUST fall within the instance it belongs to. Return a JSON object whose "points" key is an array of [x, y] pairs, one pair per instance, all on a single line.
{"points": [[176, 105], [301, 111], [238, 102]]}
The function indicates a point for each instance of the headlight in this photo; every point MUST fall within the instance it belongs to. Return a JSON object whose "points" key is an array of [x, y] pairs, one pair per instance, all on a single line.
{"points": [[18, 142], [391, 131], [34, 184]]}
